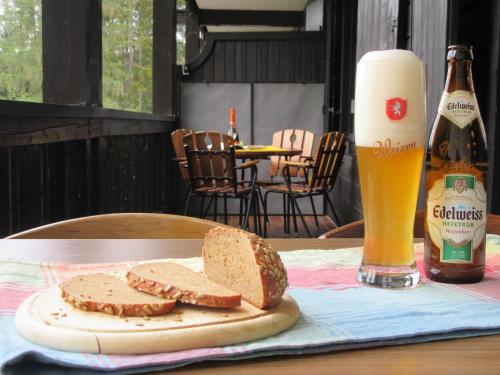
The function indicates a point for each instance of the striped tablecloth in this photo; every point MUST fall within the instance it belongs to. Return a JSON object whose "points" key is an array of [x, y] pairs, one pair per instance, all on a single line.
{"points": [[337, 312]]}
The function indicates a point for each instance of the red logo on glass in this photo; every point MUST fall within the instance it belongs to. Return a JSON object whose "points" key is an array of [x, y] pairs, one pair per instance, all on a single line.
{"points": [[395, 108]]}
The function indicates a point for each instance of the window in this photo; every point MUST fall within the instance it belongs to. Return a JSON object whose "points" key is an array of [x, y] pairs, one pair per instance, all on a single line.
{"points": [[127, 42], [21, 50]]}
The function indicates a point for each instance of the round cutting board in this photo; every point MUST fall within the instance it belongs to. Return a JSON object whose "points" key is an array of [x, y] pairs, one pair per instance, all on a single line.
{"points": [[46, 319]]}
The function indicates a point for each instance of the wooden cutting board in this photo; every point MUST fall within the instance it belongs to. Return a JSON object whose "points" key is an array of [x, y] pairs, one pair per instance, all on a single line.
{"points": [[46, 319]]}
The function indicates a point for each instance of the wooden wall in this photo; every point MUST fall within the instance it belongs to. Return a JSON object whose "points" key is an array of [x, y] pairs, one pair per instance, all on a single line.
{"points": [[277, 57], [55, 167]]}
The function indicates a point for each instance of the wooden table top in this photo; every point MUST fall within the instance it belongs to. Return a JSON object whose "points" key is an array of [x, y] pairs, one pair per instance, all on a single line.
{"points": [[264, 153], [464, 356]]}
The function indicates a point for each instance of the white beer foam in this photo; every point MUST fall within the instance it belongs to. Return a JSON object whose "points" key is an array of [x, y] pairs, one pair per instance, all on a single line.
{"points": [[381, 76]]}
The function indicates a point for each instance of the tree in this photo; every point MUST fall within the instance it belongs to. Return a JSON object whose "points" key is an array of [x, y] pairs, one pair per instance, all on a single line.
{"points": [[21, 50], [127, 54]]}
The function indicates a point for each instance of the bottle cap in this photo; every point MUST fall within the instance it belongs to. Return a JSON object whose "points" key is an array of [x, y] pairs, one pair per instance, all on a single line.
{"points": [[232, 115], [459, 52]]}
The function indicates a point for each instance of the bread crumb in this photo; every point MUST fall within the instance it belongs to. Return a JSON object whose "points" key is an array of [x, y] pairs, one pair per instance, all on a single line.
{"points": [[178, 318], [64, 315], [139, 324]]}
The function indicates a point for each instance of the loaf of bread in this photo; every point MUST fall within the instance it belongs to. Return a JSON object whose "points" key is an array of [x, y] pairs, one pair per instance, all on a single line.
{"points": [[110, 295], [245, 263], [174, 281]]}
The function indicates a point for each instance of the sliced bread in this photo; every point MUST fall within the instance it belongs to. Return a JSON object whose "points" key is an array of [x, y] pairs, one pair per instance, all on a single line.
{"points": [[110, 295], [174, 281], [245, 263]]}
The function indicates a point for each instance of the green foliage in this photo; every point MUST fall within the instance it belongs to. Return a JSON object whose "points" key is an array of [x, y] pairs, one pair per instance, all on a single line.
{"points": [[21, 50], [127, 39], [127, 52]]}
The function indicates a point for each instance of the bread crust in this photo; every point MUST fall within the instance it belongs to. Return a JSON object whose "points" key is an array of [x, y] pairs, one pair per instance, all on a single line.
{"points": [[122, 309], [272, 272], [87, 301], [183, 295]]}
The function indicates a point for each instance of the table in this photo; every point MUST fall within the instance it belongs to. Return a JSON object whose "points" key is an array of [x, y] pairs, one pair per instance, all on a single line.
{"points": [[465, 356], [265, 153]]}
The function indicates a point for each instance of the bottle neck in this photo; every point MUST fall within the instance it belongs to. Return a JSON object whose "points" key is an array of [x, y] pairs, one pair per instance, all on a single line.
{"points": [[459, 76]]}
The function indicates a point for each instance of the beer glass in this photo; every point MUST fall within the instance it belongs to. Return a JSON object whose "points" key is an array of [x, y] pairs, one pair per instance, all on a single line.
{"points": [[389, 127]]}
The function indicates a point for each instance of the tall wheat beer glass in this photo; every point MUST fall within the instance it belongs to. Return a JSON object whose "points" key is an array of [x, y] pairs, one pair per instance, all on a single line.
{"points": [[389, 127]]}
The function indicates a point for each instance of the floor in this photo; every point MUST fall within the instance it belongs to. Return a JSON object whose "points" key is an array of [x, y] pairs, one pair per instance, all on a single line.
{"points": [[275, 228]]}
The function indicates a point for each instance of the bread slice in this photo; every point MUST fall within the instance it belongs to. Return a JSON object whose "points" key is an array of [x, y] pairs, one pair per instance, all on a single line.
{"points": [[171, 280], [245, 263], [110, 295]]}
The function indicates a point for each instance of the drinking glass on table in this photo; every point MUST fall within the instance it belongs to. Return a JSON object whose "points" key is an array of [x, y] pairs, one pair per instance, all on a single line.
{"points": [[389, 126]]}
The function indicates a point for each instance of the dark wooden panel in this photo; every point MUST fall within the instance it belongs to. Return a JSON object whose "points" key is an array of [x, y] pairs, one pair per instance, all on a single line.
{"points": [[273, 61], [72, 63], [219, 62], [241, 62], [306, 60], [55, 181], [262, 63], [208, 69], [260, 57], [26, 160], [319, 61], [285, 61], [164, 56], [295, 60], [251, 61], [5, 194], [229, 61], [192, 31]]}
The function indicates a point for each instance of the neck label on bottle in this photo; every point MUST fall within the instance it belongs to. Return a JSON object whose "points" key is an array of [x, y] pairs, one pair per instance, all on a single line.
{"points": [[460, 107], [456, 216]]}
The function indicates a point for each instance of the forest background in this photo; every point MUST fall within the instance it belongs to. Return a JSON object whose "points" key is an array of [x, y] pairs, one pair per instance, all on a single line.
{"points": [[127, 30]]}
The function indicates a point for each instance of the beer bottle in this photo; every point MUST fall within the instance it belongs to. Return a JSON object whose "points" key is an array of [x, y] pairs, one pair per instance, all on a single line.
{"points": [[456, 169], [232, 128]]}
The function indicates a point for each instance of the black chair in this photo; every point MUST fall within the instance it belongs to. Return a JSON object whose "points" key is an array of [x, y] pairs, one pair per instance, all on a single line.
{"points": [[213, 175], [320, 176]]}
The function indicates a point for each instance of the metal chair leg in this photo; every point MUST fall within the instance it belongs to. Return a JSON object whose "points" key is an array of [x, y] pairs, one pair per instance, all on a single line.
{"points": [[215, 207], [185, 199], [314, 211], [266, 221], [225, 209], [337, 221], [247, 212], [202, 203], [205, 213], [241, 213], [294, 216], [258, 227], [294, 201], [188, 202], [285, 213], [261, 198]]}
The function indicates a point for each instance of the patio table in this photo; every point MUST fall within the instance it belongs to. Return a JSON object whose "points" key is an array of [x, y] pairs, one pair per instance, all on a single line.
{"points": [[265, 152], [471, 355]]}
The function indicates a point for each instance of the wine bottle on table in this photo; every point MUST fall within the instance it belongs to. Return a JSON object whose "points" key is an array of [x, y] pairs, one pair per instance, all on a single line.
{"points": [[232, 128]]}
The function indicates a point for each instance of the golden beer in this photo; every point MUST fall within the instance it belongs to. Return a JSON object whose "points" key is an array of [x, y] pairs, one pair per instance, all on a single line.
{"points": [[389, 187], [389, 127]]}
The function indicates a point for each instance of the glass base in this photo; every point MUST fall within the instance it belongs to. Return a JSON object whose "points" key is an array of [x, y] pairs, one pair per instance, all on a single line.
{"points": [[404, 277]]}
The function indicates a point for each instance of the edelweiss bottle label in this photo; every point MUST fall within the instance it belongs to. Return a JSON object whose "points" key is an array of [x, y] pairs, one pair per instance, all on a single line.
{"points": [[456, 216], [460, 107]]}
